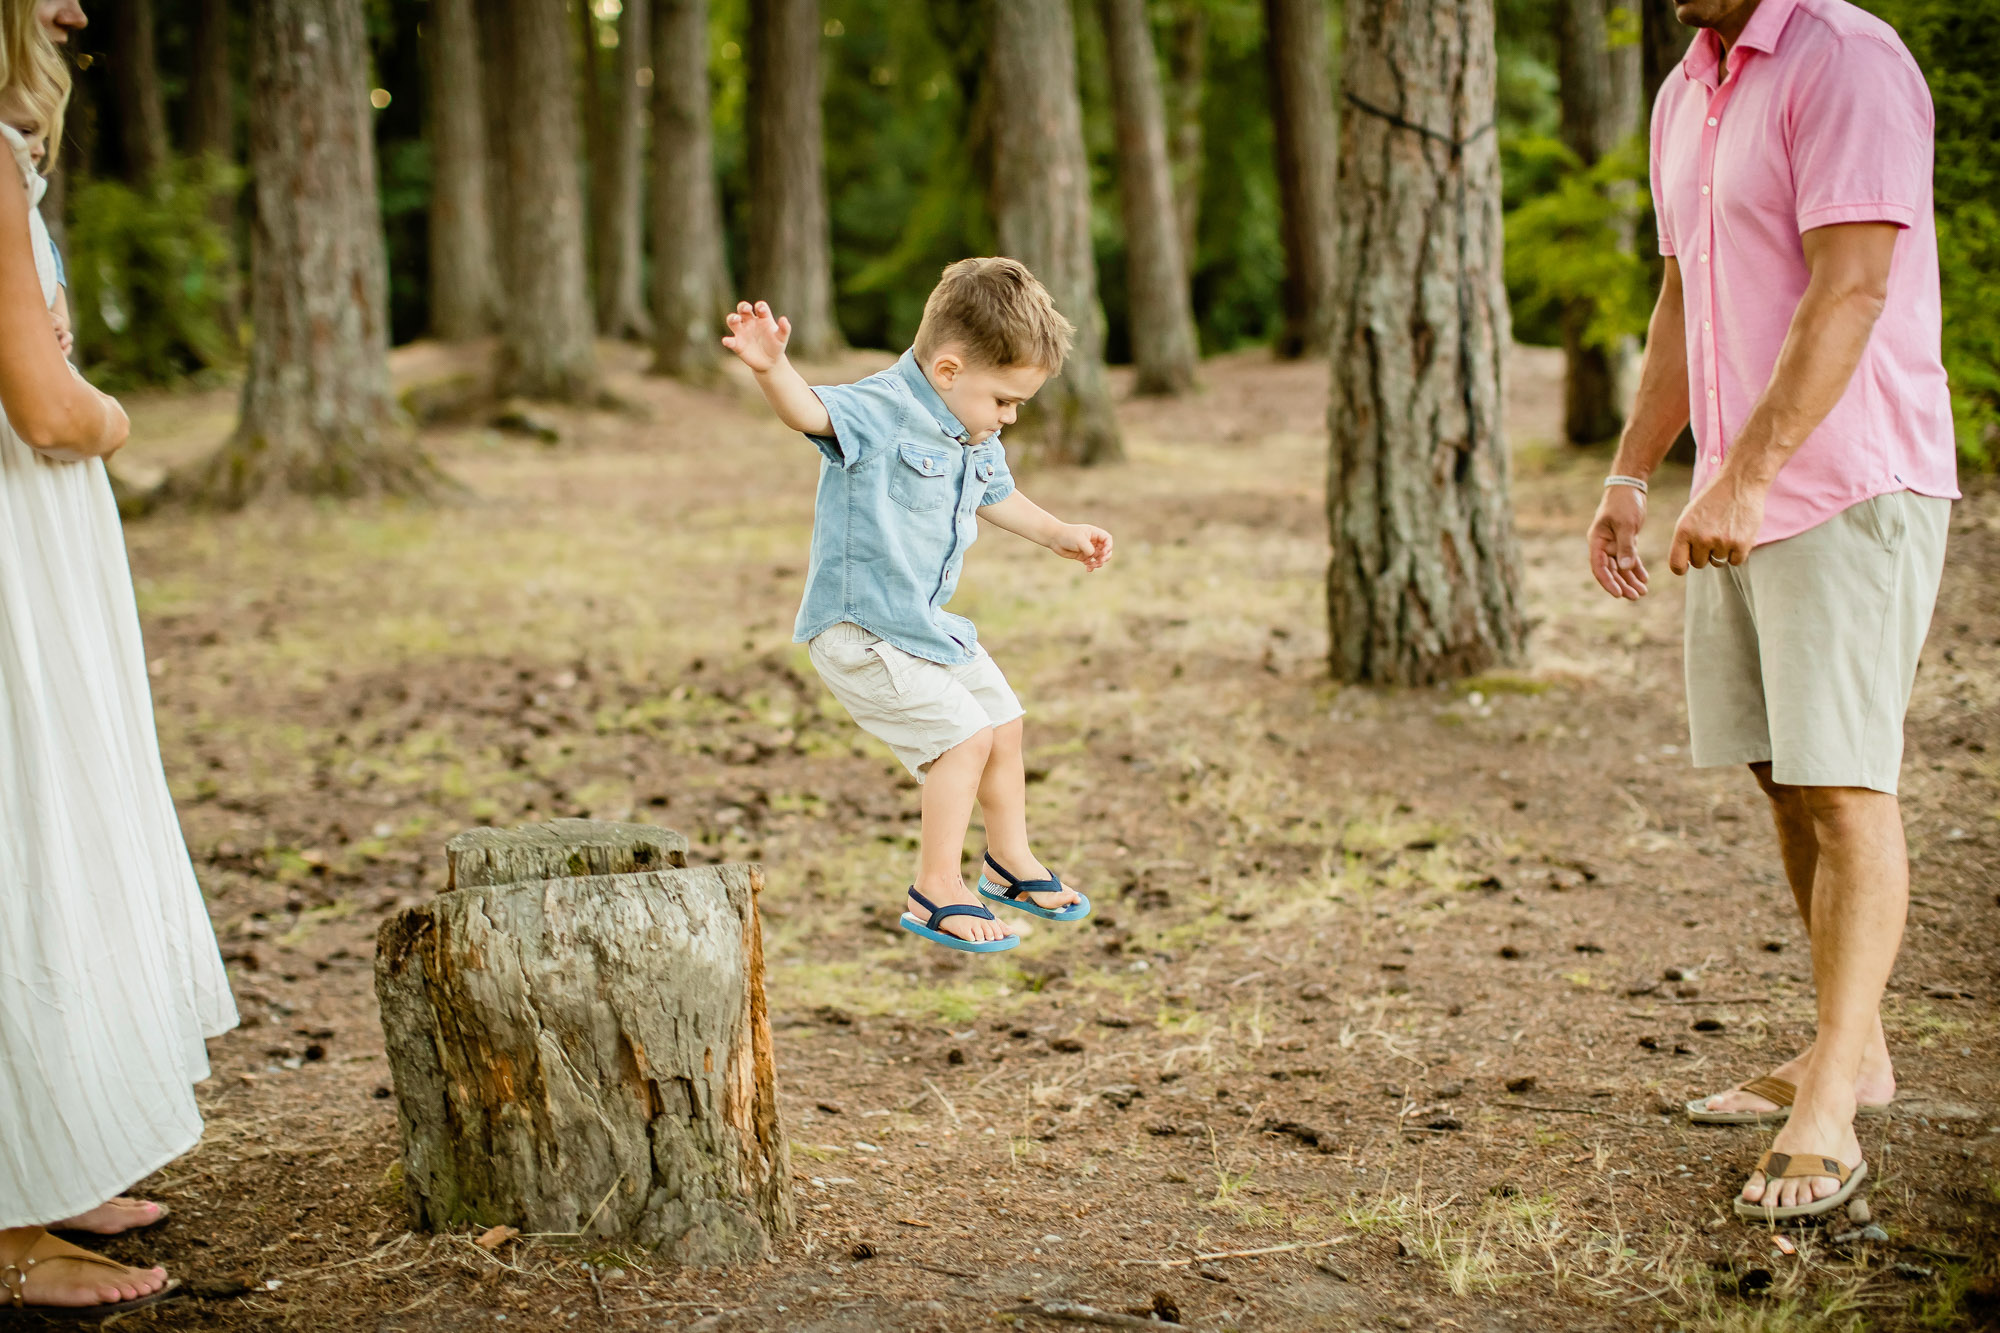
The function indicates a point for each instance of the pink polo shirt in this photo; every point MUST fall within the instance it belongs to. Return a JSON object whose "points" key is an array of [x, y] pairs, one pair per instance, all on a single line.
{"points": [[1824, 119]]}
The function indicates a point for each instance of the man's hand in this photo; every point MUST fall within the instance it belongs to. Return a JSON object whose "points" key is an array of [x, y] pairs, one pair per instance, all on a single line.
{"points": [[1614, 542], [1719, 526], [1089, 546], [756, 336]]}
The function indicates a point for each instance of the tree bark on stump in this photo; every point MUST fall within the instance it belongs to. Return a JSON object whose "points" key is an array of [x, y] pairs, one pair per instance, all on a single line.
{"points": [[580, 1045], [547, 328], [687, 212], [1162, 312], [1041, 212], [791, 240], [1424, 582], [317, 414], [621, 229], [1598, 96], [1303, 121], [465, 280]]}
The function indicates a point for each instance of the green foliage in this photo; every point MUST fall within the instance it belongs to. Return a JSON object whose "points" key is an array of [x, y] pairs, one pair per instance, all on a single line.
{"points": [[1957, 42], [1572, 242], [151, 276]]}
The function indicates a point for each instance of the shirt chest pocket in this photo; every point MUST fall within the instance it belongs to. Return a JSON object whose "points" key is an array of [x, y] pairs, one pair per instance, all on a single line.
{"points": [[920, 478]]}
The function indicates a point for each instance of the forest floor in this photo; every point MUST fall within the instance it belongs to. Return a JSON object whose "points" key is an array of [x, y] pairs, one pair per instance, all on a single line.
{"points": [[1403, 986]]}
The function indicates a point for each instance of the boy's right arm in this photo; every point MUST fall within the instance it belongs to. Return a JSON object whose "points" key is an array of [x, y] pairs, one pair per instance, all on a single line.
{"points": [[759, 340]]}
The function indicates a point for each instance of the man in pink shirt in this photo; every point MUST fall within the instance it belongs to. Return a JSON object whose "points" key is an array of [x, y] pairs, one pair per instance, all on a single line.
{"points": [[1798, 329]]}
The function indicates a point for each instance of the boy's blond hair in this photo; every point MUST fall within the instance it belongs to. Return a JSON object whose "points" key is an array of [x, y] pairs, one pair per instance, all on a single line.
{"points": [[995, 312]]}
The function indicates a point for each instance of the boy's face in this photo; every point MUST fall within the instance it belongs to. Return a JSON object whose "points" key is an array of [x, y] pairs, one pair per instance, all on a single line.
{"points": [[983, 398]]}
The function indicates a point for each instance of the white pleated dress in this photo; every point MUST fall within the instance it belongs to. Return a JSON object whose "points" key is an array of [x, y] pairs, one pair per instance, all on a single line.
{"points": [[109, 974]]}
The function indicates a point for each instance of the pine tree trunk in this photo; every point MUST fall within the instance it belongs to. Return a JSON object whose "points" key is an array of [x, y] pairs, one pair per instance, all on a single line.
{"points": [[1187, 77], [1040, 195], [621, 302], [317, 415], [1303, 119], [1424, 582], [1162, 315], [791, 244], [211, 119], [547, 331], [465, 287], [141, 108], [1598, 98], [687, 213], [1663, 39]]}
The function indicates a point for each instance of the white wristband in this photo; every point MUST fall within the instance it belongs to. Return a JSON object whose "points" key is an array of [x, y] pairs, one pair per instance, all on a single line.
{"points": [[1636, 483]]}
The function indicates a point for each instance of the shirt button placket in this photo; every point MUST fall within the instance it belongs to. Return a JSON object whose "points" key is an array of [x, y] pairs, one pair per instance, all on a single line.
{"points": [[1711, 360]]}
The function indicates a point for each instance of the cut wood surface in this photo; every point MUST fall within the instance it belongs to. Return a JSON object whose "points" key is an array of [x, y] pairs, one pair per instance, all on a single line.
{"points": [[587, 1055]]}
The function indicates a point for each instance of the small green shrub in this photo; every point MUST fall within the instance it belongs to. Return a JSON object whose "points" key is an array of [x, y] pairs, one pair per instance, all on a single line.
{"points": [[152, 279], [1571, 241]]}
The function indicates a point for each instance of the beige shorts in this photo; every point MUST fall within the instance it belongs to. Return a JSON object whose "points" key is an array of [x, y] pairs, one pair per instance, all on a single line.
{"points": [[917, 708], [1804, 655]]}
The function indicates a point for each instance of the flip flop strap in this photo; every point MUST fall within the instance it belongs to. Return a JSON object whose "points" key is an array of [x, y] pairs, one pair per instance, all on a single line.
{"points": [[1777, 1091], [1016, 887], [1775, 1165], [958, 909], [14, 1276]]}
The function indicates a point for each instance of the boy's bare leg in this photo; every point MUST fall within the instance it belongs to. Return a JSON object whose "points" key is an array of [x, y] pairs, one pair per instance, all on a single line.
{"points": [[1003, 799], [1798, 847], [949, 789]]}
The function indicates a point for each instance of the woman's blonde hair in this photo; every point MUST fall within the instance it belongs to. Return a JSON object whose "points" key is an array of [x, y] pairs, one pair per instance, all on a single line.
{"points": [[32, 71]]}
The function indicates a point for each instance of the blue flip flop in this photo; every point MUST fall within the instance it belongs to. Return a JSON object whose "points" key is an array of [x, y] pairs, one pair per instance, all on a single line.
{"points": [[929, 929], [1012, 894]]}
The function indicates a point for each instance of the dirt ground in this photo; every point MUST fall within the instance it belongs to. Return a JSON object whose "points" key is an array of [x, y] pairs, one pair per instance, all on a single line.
{"points": [[1401, 987]]}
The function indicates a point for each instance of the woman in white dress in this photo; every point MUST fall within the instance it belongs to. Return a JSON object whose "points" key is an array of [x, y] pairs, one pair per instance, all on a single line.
{"points": [[109, 974]]}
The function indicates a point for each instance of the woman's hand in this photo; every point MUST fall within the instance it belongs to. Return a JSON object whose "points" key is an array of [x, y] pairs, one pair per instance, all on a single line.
{"points": [[756, 336], [1090, 547]]}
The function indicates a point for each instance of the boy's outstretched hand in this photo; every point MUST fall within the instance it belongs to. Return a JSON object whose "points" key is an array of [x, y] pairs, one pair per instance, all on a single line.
{"points": [[1091, 547], [756, 335]]}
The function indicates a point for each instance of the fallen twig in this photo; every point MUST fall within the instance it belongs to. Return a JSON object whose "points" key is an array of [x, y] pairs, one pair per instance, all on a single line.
{"points": [[940, 1268], [1090, 1314], [1233, 1254], [1563, 1110], [1723, 999], [943, 1101]]}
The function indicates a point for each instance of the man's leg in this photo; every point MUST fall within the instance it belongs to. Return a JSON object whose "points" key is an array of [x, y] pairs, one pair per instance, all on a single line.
{"points": [[1860, 895], [1003, 800], [950, 785], [1798, 848]]}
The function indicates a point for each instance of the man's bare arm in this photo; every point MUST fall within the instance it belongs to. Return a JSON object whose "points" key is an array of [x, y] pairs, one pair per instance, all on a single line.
{"points": [[1829, 331]]}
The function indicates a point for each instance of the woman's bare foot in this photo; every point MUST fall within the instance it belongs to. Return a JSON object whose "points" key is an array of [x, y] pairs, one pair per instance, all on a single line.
{"points": [[114, 1217], [38, 1270]]}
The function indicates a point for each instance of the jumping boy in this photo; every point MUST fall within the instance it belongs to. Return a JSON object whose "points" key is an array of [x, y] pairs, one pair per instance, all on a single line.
{"points": [[910, 455]]}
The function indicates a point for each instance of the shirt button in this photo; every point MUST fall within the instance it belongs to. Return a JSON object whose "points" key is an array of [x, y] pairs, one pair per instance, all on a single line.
{"points": [[1704, 256], [1706, 326], [1711, 120], [1704, 189], [1711, 393]]}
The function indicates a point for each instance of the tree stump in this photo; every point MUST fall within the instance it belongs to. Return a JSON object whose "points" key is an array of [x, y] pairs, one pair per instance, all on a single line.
{"points": [[580, 1045]]}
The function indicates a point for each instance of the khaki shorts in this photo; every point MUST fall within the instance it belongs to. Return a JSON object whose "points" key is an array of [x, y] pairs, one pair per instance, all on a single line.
{"points": [[1804, 655], [918, 708]]}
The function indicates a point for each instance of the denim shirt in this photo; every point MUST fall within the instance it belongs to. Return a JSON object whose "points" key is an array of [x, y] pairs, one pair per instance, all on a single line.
{"points": [[899, 489]]}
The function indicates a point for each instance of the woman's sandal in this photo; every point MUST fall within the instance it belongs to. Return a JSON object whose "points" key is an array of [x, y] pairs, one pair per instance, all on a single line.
{"points": [[1012, 895], [47, 1249], [1775, 1165], [929, 929], [1780, 1092]]}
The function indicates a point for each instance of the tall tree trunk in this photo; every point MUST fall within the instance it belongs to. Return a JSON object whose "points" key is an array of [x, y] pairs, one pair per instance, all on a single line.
{"points": [[1187, 76], [1424, 582], [687, 213], [211, 122], [1302, 115], [1599, 99], [791, 242], [618, 184], [1663, 40], [135, 89], [1162, 315], [465, 285], [317, 414], [547, 347], [1041, 212]]}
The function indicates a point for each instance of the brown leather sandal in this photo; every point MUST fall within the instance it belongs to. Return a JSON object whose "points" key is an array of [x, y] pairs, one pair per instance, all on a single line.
{"points": [[1774, 1165], [47, 1249], [1780, 1092]]}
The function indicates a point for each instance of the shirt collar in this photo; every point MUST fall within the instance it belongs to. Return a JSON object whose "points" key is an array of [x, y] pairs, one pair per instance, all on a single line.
{"points": [[1761, 33], [920, 385]]}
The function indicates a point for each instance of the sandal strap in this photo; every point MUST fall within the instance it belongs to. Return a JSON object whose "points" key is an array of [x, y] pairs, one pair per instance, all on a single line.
{"points": [[1017, 886], [1775, 1165], [1775, 1090], [44, 1249], [950, 910]]}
